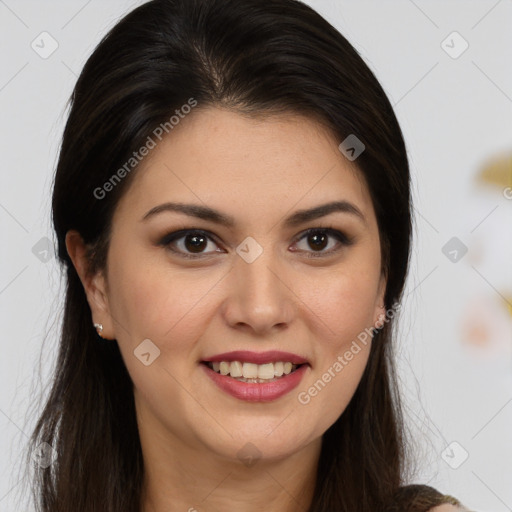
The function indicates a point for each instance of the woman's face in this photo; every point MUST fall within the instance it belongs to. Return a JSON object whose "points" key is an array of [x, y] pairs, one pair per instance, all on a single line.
{"points": [[258, 284]]}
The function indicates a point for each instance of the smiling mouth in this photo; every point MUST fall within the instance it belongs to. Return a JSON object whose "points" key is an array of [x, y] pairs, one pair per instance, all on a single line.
{"points": [[253, 373]]}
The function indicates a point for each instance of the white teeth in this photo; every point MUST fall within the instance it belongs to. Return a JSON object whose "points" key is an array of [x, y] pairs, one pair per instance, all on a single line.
{"points": [[236, 369], [266, 371], [250, 371], [240, 370], [224, 368]]}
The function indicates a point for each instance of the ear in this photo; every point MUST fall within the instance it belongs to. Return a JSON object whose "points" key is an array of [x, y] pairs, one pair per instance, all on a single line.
{"points": [[95, 285], [380, 306]]}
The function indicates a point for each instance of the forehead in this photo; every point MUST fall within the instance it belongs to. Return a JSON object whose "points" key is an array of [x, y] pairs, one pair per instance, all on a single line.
{"points": [[231, 161]]}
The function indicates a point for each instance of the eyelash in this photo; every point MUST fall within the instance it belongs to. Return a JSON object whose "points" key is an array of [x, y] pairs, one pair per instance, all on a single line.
{"points": [[343, 239]]}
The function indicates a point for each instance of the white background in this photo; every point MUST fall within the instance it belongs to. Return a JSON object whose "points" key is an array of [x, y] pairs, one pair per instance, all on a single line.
{"points": [[455, 114]]}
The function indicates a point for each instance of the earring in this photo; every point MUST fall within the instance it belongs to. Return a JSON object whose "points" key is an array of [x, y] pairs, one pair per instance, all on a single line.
{"points": [[99, 329]]}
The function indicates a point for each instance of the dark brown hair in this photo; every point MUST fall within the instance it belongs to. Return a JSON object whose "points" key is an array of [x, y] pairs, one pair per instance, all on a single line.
{"points": [[256, 58]]}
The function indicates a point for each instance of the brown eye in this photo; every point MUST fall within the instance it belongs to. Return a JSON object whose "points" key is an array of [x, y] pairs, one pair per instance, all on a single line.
{"points": [[195, 243], [317, 239], [189, 243]]}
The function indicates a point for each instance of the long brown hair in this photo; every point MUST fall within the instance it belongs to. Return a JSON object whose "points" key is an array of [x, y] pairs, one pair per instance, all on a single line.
{"points": [[256, 58]]}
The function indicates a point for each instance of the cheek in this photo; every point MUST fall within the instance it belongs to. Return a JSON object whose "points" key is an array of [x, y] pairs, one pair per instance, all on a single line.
{"points": [[155, 301], [170, 308], [345, 308], [327, 394], [342, 301], [341, 309]]}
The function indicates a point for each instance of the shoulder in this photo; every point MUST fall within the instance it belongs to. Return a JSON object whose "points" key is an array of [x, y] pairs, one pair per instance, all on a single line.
{"points": [[423, 498]]}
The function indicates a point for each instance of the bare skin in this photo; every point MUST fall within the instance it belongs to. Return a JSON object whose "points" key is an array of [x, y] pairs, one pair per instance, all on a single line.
{"points": [[259, 172]]}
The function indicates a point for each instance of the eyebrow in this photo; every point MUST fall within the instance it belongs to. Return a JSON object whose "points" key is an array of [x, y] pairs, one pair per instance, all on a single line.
{"points": [[299, 217]]}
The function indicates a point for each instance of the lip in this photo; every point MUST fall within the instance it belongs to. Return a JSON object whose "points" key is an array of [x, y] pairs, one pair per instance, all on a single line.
{"points": [[254, 392], [246, 356]]}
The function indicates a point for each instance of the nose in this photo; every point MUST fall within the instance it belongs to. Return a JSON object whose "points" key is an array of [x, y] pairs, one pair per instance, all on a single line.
{"points": [[259, 298]]}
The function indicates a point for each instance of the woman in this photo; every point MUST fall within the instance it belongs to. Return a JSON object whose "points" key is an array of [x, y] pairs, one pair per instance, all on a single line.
{"points": [[232, 209]]}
